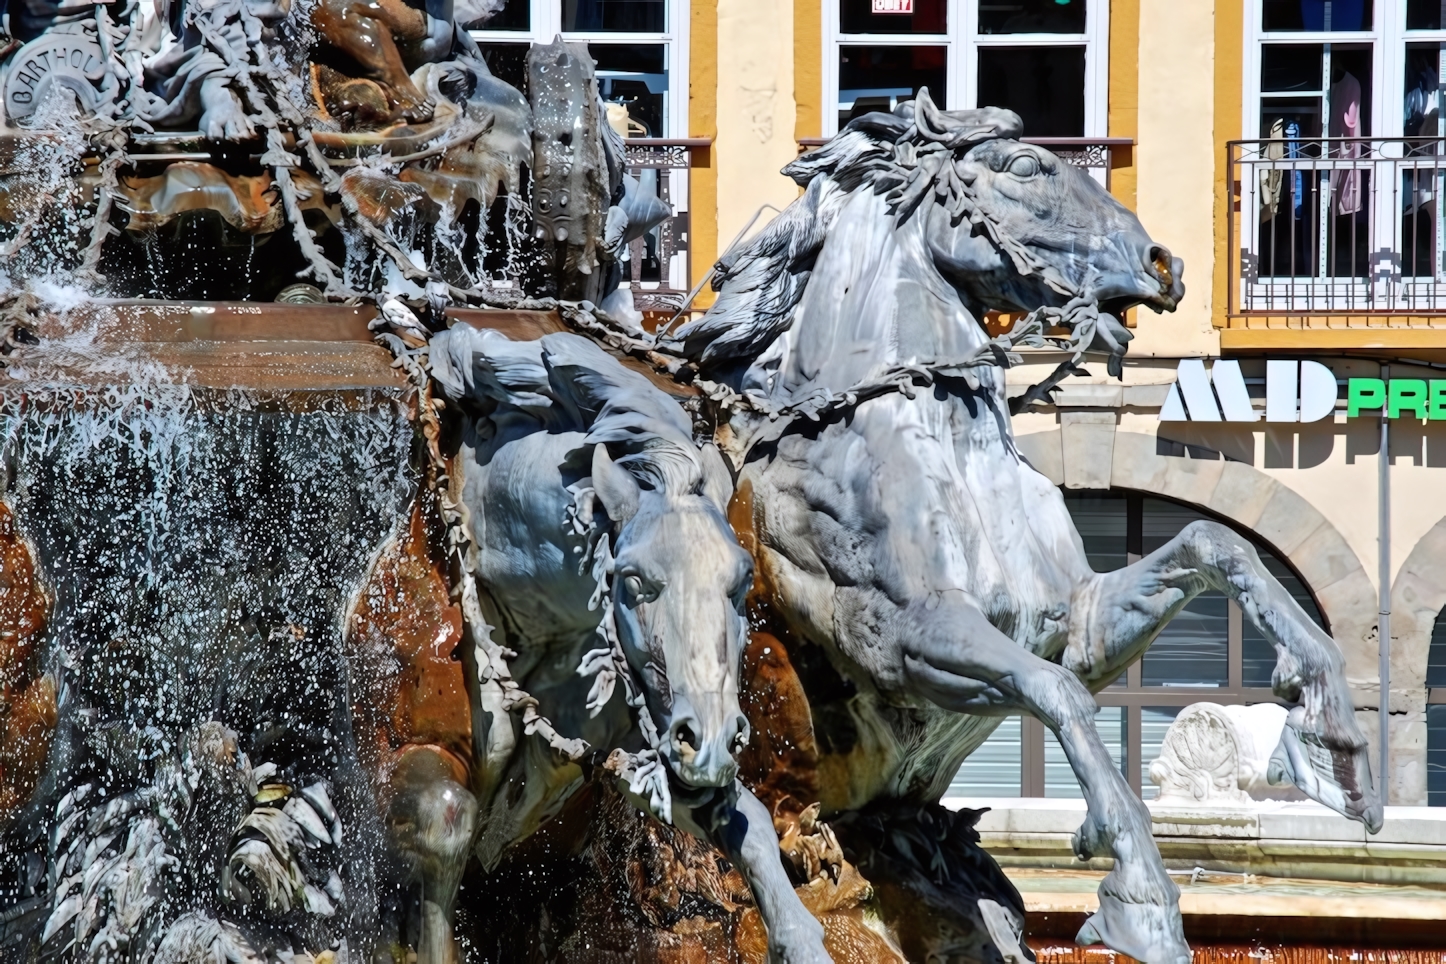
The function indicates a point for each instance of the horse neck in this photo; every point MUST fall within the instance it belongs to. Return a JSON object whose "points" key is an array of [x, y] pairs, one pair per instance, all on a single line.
{"points": [[875, 301]]}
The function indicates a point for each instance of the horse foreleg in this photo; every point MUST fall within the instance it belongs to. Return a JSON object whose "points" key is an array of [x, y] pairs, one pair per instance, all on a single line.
{"points": [[1115, 616], [432, 817], [953, 656], [743, 830]]}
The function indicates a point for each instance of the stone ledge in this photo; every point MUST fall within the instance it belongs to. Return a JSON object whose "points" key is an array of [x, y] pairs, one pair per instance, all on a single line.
{"points": [[1300, 840]]}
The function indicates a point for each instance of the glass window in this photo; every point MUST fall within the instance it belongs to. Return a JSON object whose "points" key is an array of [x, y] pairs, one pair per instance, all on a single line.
{"points": [[1421, 109], [636, 77], [1316, 16], [1154, 723], [632, 16], [858, 16], [1045, 59], [1291, 67], [1032, 16], [877, 78], [513, 15], [1059, 779], [992, 770], [1424, 14], [1043, 85], [1436, 755], [1436, 660], [1100, 518]]}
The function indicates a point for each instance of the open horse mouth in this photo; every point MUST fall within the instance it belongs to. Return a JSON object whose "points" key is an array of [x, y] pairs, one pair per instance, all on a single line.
{"points": [[1158, 284]]}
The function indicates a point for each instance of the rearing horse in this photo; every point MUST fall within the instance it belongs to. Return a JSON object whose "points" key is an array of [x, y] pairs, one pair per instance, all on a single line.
{"points": [[904, 533], [596, 517]]}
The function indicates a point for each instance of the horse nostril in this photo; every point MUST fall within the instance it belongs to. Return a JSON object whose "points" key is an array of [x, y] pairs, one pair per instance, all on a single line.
{"points": [[1161, 264], [741, 735]]}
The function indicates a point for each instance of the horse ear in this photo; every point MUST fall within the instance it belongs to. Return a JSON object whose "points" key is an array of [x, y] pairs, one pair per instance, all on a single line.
{"points": [[717, 480], [615, 488]]}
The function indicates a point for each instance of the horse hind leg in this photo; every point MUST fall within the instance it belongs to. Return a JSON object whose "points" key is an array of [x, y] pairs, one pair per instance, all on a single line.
{"points": [[1116, 615], [433, 817], [955, 658]]}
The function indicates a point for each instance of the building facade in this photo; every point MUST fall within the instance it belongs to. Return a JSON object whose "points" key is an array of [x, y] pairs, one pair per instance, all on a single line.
{"points": [[1290, 151]]}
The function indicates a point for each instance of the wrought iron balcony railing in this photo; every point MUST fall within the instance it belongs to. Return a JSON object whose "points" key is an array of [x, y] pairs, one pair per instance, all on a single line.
{"points": [[660, 263], [1337, 226], [1098, 155]]}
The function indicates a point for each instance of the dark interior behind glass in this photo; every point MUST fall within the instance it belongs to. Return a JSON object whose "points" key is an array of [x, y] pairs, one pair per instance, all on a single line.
{"points": [[874, 78], [1310, 15], [637, 16], [1032, 16], [1043, 85]]}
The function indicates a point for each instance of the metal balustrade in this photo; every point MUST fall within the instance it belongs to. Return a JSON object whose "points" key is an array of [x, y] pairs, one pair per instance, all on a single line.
{"points": [[1337, 226]]}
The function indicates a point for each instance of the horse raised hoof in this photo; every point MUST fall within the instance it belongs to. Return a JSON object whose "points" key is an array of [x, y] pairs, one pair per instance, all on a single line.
{"points": [[1329, 771], [1150, 933], [222, 116]]}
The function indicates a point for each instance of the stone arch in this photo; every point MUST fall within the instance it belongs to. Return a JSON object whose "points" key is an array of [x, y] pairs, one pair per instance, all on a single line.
{"points": [[1418, 594], [1087, 452]]}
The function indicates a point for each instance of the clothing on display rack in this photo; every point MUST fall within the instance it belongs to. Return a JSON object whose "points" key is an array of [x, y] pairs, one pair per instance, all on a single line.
{"points": [[1346, 122], [1271, 178]]}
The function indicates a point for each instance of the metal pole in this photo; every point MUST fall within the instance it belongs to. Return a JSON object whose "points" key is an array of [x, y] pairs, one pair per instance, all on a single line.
{"points": [[1383, 543]]}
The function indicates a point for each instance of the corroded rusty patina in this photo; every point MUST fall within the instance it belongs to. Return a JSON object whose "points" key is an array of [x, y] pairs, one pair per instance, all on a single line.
{"points": [[27, 696]]}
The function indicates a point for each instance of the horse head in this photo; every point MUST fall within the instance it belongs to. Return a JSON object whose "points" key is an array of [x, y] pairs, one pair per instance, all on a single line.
{"points": [[674, 574], [678, 584], [1018, 228], [1008, 225]]}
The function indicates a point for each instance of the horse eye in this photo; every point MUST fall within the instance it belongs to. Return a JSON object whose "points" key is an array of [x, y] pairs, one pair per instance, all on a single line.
{"points": [[1024, 165], [634, 584]]}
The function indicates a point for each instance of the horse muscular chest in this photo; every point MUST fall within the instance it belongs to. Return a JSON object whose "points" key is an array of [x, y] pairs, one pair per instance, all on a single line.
{"points": [[907, 503]]}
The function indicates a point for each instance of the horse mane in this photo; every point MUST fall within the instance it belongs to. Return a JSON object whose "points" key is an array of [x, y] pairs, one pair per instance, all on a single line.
{"points": [[760, 285], [566, 382]]}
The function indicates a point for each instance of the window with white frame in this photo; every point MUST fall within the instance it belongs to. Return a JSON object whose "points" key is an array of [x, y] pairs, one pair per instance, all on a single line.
{"points": [[1358, 84], [640, 47], [1044, 59]]}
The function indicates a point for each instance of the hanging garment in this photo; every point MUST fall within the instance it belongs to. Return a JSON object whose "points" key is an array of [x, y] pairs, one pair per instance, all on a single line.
{"points": [[1346, 122], [1297, 180], [1270, 179], [1422, 105]]}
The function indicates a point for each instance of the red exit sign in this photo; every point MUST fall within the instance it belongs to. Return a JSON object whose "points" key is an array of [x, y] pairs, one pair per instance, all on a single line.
{"points": [[893, 6]]}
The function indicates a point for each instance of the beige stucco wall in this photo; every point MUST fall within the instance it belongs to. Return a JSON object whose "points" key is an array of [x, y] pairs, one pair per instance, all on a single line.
{"points": [[1175, 159], [755, 110]]}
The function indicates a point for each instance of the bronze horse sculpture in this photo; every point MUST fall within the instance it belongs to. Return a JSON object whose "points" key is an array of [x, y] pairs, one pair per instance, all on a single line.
{"points": [[899, 528]]}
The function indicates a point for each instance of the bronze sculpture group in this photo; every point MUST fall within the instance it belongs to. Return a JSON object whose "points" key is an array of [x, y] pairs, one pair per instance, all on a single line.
{"points": [[842, 485]]}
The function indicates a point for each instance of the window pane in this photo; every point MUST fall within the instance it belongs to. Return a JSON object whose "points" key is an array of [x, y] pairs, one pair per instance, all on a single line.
{"points": [[634, 76], [514, 15], [1436, 756], [1422, 107], [878, 78], [1311, 15], [1032, 16], [1259, 655], [993, 769], [1154, 723], [858, 16], [1043, 85], [1100, 519], [1290, 67], [637, 16], [1059, 780], [1350, 90], [508, 62], [1436, 661], [1423, 14], [1192, 649]]}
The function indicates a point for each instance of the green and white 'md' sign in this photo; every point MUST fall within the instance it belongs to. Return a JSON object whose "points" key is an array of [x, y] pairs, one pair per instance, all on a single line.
{"points": [[1400, 397], [1304, 391]]}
